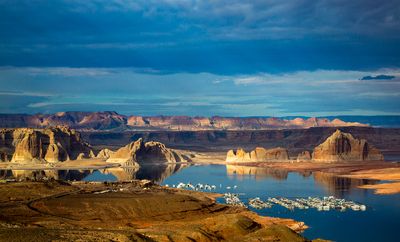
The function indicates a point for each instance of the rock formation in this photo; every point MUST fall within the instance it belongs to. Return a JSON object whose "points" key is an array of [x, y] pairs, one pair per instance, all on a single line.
{"points": [[50, 144], [139, 152], [344, 147], [304, 156], [259, 154], [25, 145], [112, 120], [104, 154]]}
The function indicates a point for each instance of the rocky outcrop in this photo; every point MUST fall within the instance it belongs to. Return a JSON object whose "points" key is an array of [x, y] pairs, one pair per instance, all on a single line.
{"points": [[104, 154], [45, 145], [259, 154], [139, 152], [125, 155], [304, 156], [112, 120], [344, 147]]}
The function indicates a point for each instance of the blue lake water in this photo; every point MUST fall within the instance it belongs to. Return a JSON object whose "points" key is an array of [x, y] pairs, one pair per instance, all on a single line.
{"points": [[378, 223]]}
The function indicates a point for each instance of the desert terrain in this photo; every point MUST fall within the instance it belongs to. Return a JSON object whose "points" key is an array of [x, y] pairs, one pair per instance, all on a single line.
{"points": [[132, 211]]}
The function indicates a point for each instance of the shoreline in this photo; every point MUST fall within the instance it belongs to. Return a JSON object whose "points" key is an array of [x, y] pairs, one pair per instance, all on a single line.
{"points": [[374, 170]]}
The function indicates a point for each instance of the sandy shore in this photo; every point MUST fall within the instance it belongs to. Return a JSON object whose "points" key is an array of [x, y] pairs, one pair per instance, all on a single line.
{"points": [[137, 210], [392, 175]]}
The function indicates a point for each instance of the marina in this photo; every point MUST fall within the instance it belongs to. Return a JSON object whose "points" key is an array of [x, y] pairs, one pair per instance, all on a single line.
{"points": [[325, 203]]}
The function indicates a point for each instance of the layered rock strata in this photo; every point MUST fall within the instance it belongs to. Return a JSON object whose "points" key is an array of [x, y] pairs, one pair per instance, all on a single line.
{"points": [[259, 154], [139, 152], [112, 120], [344, 147], [26, 145], [304, 156]]}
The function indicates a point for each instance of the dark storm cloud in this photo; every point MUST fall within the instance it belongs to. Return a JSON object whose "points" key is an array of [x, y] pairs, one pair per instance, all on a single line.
{"points": [[378, 77], [201, 36]]}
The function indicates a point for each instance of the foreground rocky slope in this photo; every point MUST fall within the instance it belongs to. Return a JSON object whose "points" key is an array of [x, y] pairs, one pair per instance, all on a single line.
{"points": [[113, 120], [139, 152], [38, 145], [134, 211], [344, 147]]}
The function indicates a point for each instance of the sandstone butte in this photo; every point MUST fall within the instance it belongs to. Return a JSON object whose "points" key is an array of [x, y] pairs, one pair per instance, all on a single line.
{"points": [[28, 145], [304, 156], [259, 154], [110, 120], [139, 152], [24, 145], [344, 147]]}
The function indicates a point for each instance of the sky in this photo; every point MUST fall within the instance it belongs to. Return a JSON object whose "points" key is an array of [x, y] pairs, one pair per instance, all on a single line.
{"points": [[201, 58]]}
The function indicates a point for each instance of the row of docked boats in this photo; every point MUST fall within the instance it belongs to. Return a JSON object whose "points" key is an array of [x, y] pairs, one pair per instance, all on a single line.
{"points": [[321, 204], [331, 202], [199, 186], [233, 199]]}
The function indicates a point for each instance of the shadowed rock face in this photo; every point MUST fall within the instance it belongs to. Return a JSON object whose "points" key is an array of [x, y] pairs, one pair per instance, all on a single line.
{"points": [[112, 120], [259, 154], [304, 156], [138, 152], [51, 145], [344, 147]]}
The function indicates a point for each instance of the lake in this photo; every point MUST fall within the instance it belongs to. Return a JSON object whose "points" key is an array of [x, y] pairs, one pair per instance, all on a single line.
{"points": [[378, 223]]}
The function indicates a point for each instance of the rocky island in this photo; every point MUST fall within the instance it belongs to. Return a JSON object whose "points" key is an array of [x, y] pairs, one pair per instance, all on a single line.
{"points": [[28, 145], [139, 152], [339, 147], [344, 147], [259, 154]]}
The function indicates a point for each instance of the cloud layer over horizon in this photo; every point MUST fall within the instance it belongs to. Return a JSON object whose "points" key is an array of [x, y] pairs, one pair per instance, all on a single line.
{"points": [[148, 92]]}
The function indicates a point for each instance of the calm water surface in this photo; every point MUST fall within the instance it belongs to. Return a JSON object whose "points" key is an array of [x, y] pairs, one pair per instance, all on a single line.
{"points": [[379, 223]]}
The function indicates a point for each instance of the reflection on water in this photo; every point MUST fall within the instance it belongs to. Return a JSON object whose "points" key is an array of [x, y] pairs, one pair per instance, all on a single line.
{"points": [[257, 172], [154, 172], [159, 172], [339, 186], [379, 222], [43, 174], [334, 185]]}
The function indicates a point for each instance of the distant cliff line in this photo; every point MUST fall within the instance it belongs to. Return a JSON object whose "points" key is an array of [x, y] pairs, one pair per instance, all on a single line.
{"points": [[110, 120]]}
